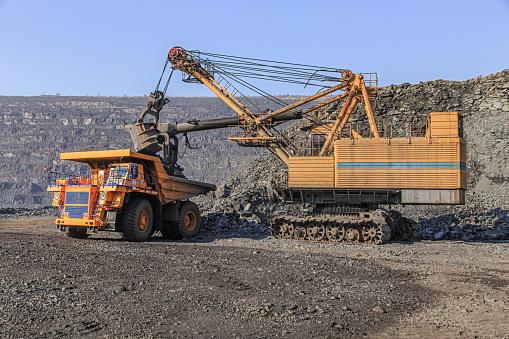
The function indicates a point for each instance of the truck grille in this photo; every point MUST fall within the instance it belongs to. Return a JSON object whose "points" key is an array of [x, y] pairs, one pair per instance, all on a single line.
{"points": [[76, 211], [77, 198]]}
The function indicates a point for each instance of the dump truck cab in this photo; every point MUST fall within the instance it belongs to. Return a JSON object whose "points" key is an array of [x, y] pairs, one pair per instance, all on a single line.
{"points": [[126, 192]]}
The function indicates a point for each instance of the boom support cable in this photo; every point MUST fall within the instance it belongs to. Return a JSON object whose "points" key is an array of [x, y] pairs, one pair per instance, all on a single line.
{"points": [[239, 68]]}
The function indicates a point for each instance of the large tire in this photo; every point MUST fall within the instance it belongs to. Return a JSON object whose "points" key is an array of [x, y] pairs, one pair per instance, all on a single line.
{"points": [[77, 232], [138, 220], [189, 223]]}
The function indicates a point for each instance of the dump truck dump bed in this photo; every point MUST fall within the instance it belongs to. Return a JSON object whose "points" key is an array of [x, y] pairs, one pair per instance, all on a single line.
{"points": [[171, 188]]}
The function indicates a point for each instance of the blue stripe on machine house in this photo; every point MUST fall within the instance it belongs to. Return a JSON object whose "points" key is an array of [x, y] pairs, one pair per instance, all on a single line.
{"points": [[403, 165]]}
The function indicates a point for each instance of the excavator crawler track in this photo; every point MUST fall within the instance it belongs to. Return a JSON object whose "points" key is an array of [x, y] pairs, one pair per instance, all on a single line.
{"points": [[375, 228]]}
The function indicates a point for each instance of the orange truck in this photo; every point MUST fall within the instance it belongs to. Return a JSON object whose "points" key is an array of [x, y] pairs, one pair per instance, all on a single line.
{"points": [[136, 193], [124, 191]]}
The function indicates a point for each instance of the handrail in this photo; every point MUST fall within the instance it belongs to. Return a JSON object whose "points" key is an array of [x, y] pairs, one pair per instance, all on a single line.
{"points": [[103, 178]]}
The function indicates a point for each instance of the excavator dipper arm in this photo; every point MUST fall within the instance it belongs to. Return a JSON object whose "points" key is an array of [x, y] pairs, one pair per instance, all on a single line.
{"points": [[256, 127]]}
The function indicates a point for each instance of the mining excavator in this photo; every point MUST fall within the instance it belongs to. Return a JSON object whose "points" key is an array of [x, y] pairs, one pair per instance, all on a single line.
{"points": [[345, 171]]}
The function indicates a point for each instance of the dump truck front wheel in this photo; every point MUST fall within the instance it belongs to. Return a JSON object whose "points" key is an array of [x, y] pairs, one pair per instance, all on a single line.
{"points": [[189, 222], [77, 232], [138, 220]]}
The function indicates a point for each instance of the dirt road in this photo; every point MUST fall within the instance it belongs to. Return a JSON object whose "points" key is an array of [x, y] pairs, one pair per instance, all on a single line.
{"points": [[55, 286]]}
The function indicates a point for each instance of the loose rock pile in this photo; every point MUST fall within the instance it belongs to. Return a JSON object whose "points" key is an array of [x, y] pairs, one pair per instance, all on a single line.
{"points": [[230, 224], [488, 225]]}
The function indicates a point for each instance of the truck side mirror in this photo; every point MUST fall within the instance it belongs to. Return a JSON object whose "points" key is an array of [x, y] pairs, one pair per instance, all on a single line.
{"points": [[133, 171]]}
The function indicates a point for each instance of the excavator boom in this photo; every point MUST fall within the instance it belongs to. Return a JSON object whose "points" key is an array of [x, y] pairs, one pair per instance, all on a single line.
{"points": [[213, 75]]}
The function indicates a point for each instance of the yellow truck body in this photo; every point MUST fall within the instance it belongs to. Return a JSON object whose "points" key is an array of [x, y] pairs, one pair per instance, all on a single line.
{"points": [[89, 199]]}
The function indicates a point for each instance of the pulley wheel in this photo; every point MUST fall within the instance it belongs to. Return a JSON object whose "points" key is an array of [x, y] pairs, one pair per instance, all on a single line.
{"points": [[352, 235], [300, 233], [372, 234], [316, 232], [286, 231], [335, 233], [173, 52]]}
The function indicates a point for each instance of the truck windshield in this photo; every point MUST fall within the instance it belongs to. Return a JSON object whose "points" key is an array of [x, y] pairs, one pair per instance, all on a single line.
{"points": [[119, 172], [117, 175]]}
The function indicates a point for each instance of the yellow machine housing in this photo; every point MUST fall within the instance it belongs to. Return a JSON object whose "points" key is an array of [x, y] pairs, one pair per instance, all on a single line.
{"points": [[429, 168]]}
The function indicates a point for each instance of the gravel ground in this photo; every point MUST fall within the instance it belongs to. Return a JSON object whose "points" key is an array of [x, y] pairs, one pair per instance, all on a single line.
{"points": [[234, 284]]}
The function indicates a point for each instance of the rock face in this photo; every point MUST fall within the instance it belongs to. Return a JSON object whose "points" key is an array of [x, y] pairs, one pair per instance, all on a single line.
{"points": [[35, 130]]}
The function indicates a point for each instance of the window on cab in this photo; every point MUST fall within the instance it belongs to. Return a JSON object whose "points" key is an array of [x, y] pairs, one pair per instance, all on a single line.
{"points": [[117, 175], [316, 142]]}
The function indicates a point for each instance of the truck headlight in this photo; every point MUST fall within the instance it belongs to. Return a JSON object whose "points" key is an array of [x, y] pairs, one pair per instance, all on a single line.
{"points": [[103, 196], [56, 195]]}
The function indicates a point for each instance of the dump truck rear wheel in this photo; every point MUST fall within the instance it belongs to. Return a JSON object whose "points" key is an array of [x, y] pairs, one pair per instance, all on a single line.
{"points": [[77, 232], [138, 220], [189, 223]]}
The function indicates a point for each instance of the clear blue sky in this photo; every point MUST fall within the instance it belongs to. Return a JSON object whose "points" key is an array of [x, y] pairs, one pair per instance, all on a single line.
{"points": [[119, 47]]}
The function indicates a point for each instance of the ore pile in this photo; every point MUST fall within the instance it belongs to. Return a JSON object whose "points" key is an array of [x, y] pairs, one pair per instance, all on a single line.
{"points": [[484, 104], [234, 224], [10, 212], [242, 202], [488, 225]]}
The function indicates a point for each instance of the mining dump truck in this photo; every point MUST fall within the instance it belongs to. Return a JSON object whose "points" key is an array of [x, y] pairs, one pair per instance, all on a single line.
{"points": [[124, 191]]}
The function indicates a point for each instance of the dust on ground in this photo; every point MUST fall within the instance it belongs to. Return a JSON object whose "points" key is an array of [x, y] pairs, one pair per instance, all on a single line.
{"points": [[55, 286]]}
